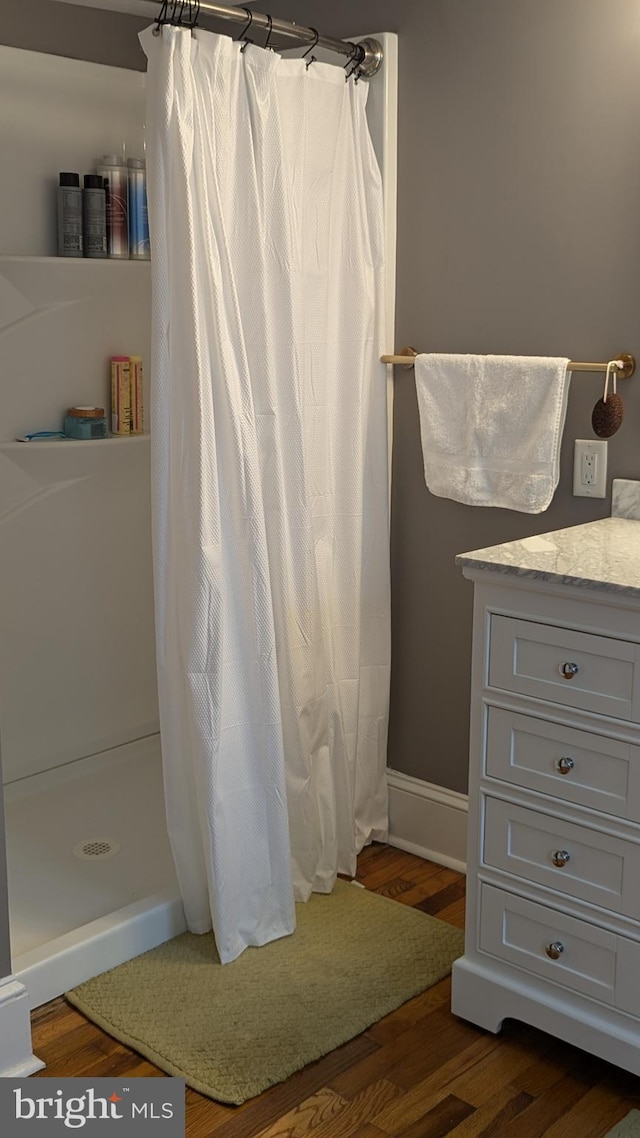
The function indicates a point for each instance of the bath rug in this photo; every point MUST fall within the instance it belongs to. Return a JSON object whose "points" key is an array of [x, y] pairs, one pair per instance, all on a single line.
{"points": [[628, 1128], [233, 1030]]}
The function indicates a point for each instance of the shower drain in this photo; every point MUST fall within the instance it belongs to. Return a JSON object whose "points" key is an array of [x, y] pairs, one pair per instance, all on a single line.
{"points": [[97, 849]]}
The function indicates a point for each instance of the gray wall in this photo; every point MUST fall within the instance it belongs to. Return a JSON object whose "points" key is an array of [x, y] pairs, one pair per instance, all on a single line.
{"points": [[81, 33], [5, 948], [518, 232]]}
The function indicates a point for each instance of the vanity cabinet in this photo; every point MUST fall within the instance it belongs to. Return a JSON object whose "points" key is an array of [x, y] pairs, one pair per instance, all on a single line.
{"points": [[553, 909]]}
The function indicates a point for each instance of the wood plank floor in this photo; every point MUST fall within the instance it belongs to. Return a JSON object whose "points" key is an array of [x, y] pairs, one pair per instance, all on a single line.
{"points": [[419, 1073]]}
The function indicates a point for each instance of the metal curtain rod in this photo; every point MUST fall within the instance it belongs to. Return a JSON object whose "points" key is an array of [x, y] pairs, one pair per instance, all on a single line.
{"points": [[625, 363], [367, 55]]}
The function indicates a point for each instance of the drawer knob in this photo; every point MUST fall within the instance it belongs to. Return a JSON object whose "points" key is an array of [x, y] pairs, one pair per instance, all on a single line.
{"points": [[555, 949], [565, 764], [568, 671], [560, 858]]}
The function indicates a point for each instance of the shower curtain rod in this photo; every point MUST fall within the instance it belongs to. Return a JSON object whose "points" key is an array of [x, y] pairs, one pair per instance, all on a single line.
{"points": [[366, 56]]}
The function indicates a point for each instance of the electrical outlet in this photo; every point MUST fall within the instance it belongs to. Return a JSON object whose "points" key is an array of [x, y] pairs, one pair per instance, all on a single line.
{"points": [[590, 468]]}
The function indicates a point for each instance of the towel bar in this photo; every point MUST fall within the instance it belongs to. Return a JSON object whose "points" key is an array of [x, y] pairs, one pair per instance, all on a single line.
{"points": [[626, 368]]}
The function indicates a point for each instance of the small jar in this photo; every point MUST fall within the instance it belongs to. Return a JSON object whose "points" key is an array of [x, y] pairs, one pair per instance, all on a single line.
{"points": [[86, 423]]}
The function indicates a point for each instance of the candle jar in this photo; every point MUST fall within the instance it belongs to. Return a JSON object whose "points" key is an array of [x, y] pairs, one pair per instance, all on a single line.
{"points": [[86, 423]]}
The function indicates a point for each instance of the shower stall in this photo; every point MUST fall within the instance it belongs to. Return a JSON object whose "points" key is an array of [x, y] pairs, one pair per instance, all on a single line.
{"points": [[90, 875]]}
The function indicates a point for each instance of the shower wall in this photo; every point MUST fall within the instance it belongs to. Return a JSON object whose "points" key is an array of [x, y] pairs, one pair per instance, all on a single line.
{"points": [[77, 659]]}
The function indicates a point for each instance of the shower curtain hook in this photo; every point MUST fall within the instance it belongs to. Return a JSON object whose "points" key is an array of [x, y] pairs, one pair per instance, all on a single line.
{"points": [[313, 45], [266, 44], [194, 13], [354, 60], [162, 17], [243, 34]]}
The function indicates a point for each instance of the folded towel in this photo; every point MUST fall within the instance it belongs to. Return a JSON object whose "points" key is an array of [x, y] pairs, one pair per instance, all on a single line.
{"points": [[491, 428]]}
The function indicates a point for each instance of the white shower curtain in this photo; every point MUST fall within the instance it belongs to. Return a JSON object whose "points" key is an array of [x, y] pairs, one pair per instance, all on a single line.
{"points": [[269, 477]]}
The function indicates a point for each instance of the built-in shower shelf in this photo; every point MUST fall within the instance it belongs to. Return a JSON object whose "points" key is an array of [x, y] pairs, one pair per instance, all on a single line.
{"points": [[42, 444], [35, 258]]}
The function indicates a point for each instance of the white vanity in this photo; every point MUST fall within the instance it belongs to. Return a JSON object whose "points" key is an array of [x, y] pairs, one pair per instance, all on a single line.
{"points": [[553, 910]]}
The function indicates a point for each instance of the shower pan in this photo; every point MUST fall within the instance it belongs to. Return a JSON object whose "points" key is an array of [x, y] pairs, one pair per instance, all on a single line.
{"points": [[90, 873]]}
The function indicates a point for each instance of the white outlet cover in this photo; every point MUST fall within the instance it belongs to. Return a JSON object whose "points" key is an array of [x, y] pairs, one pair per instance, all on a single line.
{"points": [[590, 468]]}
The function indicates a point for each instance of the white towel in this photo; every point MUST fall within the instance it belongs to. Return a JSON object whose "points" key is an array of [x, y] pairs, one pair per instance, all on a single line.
{"points": [[491, 428]]}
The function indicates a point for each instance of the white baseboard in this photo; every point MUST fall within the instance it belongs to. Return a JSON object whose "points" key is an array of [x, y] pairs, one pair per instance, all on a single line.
{"points": [[16, 1057], [428, 820]]}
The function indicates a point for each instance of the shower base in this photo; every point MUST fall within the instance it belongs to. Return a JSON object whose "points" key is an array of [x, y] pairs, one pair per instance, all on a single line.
{"points": [[91, 877]]}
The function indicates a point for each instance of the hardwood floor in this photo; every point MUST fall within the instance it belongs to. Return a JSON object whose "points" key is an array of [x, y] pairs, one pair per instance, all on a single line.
{"points": [[418, 1072]]}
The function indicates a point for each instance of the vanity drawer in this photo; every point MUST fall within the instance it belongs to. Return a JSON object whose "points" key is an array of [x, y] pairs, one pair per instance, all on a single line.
{"points": [[574, 765], [564, 856], [571, 952], [578, 669]]}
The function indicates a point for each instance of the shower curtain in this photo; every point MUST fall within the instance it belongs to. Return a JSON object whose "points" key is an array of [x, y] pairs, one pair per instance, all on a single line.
{"points": [[269, 477]]}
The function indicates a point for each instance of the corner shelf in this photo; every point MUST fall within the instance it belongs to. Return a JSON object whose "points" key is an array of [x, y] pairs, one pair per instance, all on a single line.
{"points": [[35, 258], [46, 444]]}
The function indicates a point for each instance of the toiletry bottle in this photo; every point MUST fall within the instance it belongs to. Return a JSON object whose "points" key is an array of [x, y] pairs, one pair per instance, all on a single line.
{"points": [[115, 176], [120, 395], [94, 214], [137, 407], [139, 249], [69, 216]]}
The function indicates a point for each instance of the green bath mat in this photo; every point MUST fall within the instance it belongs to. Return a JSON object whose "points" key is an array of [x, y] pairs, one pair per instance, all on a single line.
{"points": [[232, 1031], [628, 1128]]}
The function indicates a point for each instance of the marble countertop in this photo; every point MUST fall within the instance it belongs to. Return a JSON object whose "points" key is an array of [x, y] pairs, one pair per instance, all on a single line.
{"points": [[601, 555]]}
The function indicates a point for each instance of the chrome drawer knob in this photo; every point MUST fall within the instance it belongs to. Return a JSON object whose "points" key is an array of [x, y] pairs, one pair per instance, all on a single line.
{"points": [[555, 950], [560, 858], [568, 671], [565, 764]]}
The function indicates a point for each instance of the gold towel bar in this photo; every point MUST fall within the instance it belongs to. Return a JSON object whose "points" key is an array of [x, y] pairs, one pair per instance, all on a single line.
{"points": [[625, 371]]}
